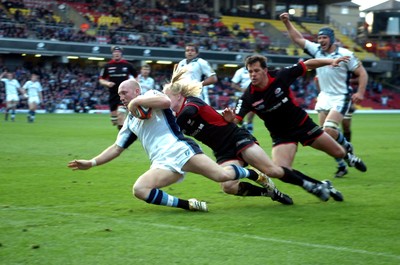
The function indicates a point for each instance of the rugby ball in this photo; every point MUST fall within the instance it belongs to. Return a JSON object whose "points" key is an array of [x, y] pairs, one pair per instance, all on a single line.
{"points": [[142, 113]]}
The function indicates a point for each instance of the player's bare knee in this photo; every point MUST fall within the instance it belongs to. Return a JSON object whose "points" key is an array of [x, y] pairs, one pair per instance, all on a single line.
{"points": [[230, 187], [139, 192], [339, 152]]}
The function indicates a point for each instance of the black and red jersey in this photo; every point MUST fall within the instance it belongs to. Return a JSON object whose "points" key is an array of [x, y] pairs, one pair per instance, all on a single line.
{"points": [[199, 120], [275, 104], [117, 72]]}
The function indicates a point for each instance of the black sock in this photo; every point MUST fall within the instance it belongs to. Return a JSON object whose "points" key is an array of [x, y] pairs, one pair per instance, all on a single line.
{"points": [[291, 177], [184, 204], [305, 177], [253, 175], [347, 135], [247, 189]]}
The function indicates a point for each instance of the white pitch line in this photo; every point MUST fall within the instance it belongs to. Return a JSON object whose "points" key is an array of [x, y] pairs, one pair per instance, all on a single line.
{"points": [[212, 232]]}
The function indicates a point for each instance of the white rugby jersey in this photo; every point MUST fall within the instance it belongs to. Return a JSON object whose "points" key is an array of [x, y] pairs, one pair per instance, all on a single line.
{"points": [[196, 68], [11, 86], [241, 77], [160, 135], [146, 84], [333, 80], [32, 88]]}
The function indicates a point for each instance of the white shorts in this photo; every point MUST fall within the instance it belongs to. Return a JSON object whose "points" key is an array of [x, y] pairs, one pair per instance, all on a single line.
{"points": [[12, 97], [175, 158], [33, 100], [327, 102]]}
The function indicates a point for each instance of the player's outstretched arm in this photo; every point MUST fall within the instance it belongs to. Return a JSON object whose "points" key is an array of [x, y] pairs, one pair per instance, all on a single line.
{"points": [[315, 63], [106, 156]]}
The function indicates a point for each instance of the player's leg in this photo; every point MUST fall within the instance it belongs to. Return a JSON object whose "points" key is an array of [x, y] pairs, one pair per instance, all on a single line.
{"points": [[121, 113], [13, 109], [148, 188], [341, 164], [283, 155], [346, 126], [203, 165], [331, 126], [8, 107], [241, 188], [32, 110]]}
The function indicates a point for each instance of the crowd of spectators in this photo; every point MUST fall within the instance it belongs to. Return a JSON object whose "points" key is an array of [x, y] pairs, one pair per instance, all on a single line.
{"points": [[170, 24], [73, 87]]}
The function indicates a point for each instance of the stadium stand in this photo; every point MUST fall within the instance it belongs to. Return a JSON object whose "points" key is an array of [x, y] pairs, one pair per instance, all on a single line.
{"points": [[74, 87]]}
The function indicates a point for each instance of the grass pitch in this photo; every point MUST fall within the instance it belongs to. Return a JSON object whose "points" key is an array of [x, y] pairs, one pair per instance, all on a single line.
{"points": [[52, 215]]}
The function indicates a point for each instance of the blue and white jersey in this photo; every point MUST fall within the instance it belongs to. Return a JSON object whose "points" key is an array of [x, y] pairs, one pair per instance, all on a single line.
{"points": [[196, 68], [11, 86], [333, 80], [32, 89], [160, 137], [146, 84], [241, 77]]}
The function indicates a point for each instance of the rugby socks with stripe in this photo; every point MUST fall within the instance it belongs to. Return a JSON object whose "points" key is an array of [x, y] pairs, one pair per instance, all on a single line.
{"points": [[159, 197], [241, 172]]}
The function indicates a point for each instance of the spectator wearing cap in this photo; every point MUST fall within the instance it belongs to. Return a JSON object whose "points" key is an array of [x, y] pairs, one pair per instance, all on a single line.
{"points": [[336, 95], [111, 76]]}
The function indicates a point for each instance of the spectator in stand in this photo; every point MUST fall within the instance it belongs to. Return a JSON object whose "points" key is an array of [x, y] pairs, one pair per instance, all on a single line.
{"points": [[112, 75]]}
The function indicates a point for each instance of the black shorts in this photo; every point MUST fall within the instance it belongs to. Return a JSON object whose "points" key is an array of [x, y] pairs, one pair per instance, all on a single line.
{"points": [[114, 102], [234, 145], [305, 134]]}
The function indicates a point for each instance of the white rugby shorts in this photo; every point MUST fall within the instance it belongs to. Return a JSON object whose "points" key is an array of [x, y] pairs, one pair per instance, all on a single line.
{"points": [[327, 102]]}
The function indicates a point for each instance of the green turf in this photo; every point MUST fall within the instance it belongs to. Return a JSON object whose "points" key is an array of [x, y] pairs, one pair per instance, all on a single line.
{"points": [[52, 215]]}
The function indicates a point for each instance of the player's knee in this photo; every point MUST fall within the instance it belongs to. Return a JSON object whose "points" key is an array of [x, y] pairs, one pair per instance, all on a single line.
{"points": [[230, 187], [139, 192], [331, 127]]}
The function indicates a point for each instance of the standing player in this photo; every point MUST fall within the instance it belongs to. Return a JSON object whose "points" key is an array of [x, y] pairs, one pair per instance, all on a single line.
{"points": [[146, 82], [240, 81], [170, 153], [111, 76], [33, 89], [12, 87], [335, 97], [198, 69], [346, 128]]}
